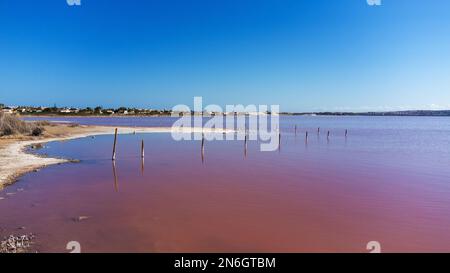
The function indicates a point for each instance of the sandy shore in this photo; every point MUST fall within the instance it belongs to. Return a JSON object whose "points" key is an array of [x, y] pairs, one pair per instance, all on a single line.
{"points": [[15, 161]]}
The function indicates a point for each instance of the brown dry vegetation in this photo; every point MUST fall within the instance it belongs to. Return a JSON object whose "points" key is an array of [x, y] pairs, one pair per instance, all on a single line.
{"points": [[12, 125]]}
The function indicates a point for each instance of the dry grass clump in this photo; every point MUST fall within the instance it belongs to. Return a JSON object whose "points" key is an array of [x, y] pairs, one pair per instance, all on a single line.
{"points": [[43, 123], [11, 125]]}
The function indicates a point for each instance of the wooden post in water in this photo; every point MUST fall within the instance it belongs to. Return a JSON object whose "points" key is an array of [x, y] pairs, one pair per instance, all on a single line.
{"points": [[245, 145], [203, 142], [114, 146], [142, 157], [279, 140], [295, 130], [203, 147], [328, 135], [346, 131], [318, 130], [306, 136]]}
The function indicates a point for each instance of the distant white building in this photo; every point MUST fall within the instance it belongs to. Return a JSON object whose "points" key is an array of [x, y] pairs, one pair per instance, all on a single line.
{"points": [[65, 111]]}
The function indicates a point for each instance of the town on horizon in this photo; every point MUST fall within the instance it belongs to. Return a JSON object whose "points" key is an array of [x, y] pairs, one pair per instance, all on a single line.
{"points": [[132, 111]]}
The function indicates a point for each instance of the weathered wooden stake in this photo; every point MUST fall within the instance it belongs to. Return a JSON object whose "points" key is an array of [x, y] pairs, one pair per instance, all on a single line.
{"points": [[245, 145], [306, 135], [114, 146], [295, 130], [203, 141], [279, 140], [328, 135], [346, 131], [318, 130], [142, 149], [203, 148]]}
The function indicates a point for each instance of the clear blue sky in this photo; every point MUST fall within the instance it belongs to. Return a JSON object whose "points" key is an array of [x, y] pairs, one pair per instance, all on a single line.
{"points": [[302, 54]]}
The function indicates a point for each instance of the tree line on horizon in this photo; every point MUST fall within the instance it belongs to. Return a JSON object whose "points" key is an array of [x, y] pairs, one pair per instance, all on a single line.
{"points": [[99, 110]]}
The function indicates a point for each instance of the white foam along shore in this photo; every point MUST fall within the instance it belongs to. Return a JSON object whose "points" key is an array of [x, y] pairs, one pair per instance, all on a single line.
{"points": [[15, 161]]}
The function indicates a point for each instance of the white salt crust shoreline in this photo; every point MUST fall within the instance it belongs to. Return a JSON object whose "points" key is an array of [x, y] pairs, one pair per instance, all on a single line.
{"points": [[15, 161]]}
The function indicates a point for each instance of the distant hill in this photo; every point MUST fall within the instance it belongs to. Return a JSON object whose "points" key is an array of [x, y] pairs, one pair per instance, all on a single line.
{"points": [[431, 113]]}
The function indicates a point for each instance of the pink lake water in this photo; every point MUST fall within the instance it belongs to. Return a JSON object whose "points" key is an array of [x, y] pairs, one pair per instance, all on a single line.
{"points": [[387, 181]]}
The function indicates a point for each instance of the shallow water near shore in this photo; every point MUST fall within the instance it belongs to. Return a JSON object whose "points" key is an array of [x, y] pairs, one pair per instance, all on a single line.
{"points": [[387, 181]]}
